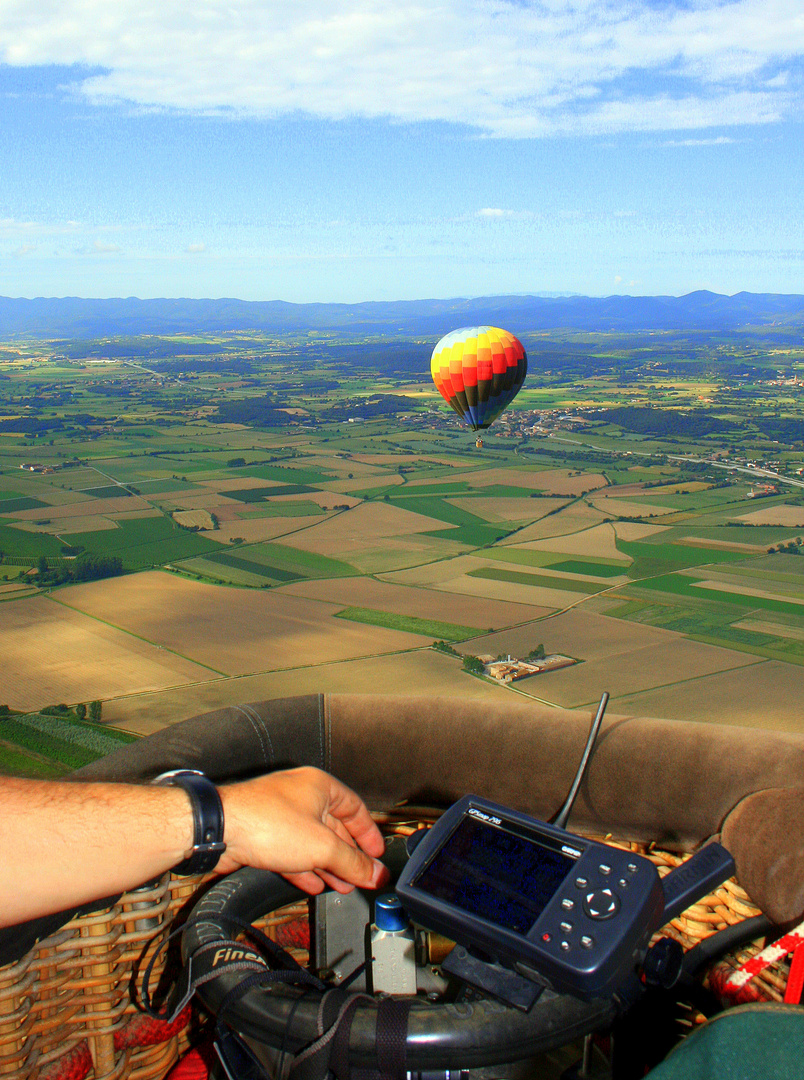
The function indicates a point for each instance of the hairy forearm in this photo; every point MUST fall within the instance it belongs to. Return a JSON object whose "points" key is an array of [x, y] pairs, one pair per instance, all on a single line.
{"points": [[67, 843], [64, 844]]}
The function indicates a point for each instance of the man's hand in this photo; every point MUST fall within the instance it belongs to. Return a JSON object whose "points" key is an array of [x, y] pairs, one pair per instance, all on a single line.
{"points": [[305, 825], [64, 844]]}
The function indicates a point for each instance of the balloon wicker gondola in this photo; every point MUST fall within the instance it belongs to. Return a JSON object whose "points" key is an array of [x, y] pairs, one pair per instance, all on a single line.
{"points": [[69, 984]]}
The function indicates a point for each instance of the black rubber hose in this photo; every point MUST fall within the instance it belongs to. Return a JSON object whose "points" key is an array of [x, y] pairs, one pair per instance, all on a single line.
{"points": [[715, 946], [440, 1035]]}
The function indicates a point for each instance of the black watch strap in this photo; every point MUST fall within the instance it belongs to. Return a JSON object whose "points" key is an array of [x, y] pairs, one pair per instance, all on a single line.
{"points": [[208, 845]]}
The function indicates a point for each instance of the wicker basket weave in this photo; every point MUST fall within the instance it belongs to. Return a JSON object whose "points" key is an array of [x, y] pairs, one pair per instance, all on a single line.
{"points": [[67, 1007]]}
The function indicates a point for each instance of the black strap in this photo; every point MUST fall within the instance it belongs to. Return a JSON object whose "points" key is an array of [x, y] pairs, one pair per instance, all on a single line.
{"points": [[392, 1037]]}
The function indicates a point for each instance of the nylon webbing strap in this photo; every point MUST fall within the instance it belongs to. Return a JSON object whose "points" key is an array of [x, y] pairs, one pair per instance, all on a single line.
{"points": [[392, 1038], [391, 1041], [314, 1062]]}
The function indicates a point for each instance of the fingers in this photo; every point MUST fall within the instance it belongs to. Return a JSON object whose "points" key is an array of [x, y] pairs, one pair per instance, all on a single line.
{"points": [[348, 808]]}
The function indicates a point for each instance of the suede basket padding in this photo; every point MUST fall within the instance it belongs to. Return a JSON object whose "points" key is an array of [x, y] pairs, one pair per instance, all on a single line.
{"points": [[675, 782]]}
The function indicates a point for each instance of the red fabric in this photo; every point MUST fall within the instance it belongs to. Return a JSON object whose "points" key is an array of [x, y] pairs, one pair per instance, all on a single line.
{"points": [[144, 1030], [294, 935], [74, 1065], [795, 980], [141, 1031], [195, 1065]]}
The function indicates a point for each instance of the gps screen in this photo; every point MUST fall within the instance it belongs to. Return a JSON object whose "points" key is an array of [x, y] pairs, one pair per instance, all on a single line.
{"points": [[495, 873]]}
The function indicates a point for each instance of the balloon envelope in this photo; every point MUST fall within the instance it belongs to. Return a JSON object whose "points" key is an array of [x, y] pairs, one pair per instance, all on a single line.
{"points": [[478, 370]]}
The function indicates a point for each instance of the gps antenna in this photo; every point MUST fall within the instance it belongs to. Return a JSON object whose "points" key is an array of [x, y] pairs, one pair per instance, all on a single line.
{"points": [[563, 814]]}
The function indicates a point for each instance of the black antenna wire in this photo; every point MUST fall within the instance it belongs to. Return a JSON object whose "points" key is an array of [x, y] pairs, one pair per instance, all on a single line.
{"points": [[563, 814]]}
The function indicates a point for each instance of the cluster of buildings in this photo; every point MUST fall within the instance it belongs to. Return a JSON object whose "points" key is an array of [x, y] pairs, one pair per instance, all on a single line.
{"points": [[511, 669]]}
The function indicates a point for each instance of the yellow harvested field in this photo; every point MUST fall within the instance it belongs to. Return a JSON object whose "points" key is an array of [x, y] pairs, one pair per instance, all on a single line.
{"points": [[621, 507], [502, 509], [235, 483], [12, 588], [526, 477], [361, 527], [562, 482], [254, 530], [575, 518], [341, 467], [326, 499], [792, 517], [759, 626], [201, 519], [680, 488], [131, 515], [53, 653], [201, 500], [421, 603], [767, 694], [426, 672], [76, 525], [510, 592], [636, 530], [641, 669], [728, 545], [599, 541], [735, 585], [85, 508], [234, 631], [395, 554], [434, 573], [583, 634]]}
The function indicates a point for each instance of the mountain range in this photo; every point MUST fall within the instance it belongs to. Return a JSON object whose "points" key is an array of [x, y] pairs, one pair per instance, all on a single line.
{"points": [[79, 318]]}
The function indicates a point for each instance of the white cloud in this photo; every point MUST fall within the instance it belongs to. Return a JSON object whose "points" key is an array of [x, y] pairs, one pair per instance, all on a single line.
{"points": [[195, 249], [100, 248], [507, 67]]}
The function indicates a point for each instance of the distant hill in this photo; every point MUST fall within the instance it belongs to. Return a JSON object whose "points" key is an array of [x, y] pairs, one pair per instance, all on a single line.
{"points": [[73, 317]]}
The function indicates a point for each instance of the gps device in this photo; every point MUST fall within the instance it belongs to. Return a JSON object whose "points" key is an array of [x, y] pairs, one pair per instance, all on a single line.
{"points": [[553, 906]]}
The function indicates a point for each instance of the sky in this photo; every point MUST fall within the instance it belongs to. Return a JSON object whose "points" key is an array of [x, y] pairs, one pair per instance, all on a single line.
{"points": [[350, 150]]}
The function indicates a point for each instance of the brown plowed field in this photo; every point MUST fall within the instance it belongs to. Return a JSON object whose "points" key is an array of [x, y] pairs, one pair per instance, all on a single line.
{"points": [[621, 507], [361, 527], [598, 541], [75, 525], [52, 653], [504, 509], [426, 672], [422, 603], [254, 530], [764, 695], [634, 530], [85, 508], [792, 517], [577, 516], [235, 631]]}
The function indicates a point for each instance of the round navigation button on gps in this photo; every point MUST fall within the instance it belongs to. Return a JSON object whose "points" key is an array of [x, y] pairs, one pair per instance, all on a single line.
{"points": [[601, 904]]}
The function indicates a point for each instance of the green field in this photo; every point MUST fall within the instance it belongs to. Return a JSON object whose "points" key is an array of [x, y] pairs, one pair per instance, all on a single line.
{"points": [[590, 567], [33, 744], [250, 495], [430, 628], [153, 428], [144, 542], [543, 581]]}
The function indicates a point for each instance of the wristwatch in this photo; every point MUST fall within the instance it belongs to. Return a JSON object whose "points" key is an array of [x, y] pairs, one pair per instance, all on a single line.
{"points": [[208, 845]]}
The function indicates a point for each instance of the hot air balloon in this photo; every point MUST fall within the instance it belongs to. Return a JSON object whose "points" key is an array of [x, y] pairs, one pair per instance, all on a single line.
{"points": [[478, 370]]}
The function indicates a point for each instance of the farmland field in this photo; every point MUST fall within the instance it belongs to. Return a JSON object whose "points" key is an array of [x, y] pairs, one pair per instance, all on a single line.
{"points": [[325, 549]]}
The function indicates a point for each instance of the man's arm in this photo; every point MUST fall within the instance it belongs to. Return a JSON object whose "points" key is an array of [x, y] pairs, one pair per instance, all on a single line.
{"points": [[64, 844]]}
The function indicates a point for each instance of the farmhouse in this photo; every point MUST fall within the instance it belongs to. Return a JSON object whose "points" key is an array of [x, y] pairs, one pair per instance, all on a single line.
{"points": [[511, 669]]}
